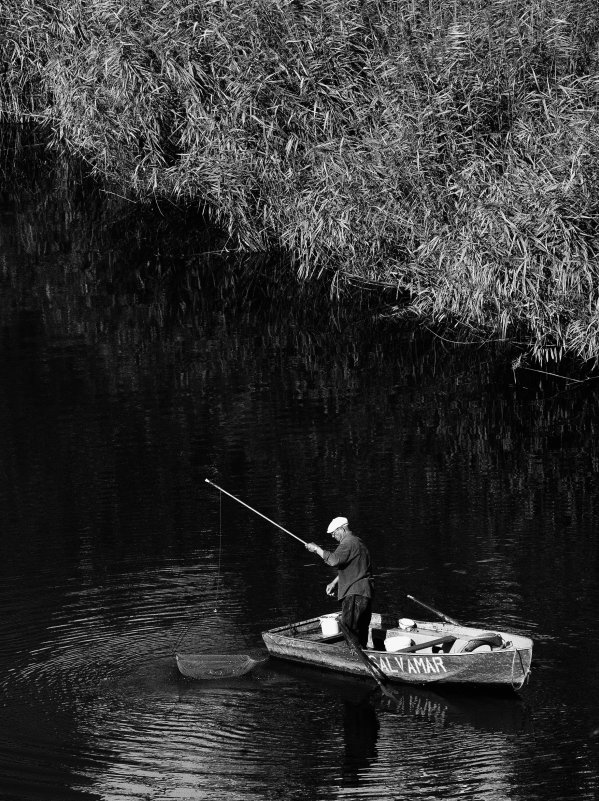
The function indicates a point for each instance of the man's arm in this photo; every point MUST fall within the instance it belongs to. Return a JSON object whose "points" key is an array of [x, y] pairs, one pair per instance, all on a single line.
{"points": [[337, 558], [314, 548]]}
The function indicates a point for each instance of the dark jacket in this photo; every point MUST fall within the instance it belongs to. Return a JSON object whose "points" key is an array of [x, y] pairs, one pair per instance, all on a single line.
{"points": [[352, 560]]}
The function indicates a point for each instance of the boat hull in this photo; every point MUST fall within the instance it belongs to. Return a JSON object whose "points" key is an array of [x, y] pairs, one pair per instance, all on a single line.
{"points": [[508, 665]]}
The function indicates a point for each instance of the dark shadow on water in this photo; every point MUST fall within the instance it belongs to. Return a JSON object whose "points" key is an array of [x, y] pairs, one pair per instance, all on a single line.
{"points": [[360, 732], [485, 710], [361, 710], [490, 710]]}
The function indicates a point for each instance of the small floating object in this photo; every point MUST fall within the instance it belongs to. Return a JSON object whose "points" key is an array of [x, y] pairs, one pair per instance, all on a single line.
{"points": [[215, 666]]}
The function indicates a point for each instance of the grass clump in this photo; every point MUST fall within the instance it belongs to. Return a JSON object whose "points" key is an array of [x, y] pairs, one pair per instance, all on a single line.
{"points": [[447, 149]]}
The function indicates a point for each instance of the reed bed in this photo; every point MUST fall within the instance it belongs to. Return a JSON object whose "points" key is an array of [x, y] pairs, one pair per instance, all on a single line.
{"points": [[447, 149]]}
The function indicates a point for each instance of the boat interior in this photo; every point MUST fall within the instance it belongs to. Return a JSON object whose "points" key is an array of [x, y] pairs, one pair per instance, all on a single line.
{"points": [[388, 634]]}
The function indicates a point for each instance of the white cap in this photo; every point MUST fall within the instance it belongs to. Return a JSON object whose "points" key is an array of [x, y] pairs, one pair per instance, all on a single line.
{"points": [[336, 523]]}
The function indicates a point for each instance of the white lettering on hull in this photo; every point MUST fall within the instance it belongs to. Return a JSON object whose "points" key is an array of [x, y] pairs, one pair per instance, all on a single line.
{"points": [[418, 665]]}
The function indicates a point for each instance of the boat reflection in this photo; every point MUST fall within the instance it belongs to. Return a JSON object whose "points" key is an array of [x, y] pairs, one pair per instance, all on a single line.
{"points": [[378, 731], [490, 711]]}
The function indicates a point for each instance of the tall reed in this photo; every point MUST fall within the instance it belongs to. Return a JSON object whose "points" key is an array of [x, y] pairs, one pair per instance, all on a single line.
{"points": [[447, 149]]}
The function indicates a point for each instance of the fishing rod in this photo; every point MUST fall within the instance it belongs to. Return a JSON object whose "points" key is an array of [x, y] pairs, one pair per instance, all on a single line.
{"points": [[247, 506]]}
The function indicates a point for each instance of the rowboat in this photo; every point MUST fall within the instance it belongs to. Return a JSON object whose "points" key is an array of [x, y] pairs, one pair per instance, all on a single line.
{"points": [[409, 652]]}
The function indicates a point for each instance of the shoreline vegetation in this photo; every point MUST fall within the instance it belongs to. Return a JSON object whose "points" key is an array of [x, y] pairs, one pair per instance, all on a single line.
{"points": [[447, 150]]}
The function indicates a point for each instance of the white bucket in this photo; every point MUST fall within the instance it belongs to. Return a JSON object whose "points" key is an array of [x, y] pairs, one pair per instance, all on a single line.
{"points": [[396, 643], [329, 625]]}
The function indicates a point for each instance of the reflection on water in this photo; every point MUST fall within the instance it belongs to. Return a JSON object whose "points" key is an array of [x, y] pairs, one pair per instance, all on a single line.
{"points": [[360, 732], [135, 360]]}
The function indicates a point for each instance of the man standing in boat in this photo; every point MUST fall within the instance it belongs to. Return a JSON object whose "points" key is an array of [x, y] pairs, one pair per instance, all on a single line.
{"points": [[354, 578]]}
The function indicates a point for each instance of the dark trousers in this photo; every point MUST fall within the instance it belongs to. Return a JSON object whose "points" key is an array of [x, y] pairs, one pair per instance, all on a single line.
{"points": [[355, 614]]}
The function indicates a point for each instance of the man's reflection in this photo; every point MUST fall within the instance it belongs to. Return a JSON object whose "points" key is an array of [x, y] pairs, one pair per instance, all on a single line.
{"points": [[360, 727]]}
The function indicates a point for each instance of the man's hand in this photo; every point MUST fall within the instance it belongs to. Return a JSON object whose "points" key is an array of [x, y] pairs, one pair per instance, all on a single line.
{"points": [[312, 547], [331, 587]]}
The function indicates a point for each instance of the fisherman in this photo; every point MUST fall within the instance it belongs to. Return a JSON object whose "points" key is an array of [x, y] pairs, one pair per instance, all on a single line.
{"points": [[354, 578]]}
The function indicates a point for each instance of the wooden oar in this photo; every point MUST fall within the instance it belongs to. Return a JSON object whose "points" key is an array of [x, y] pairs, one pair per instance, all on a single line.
{"points": [[428, 644], [374, 670], [444, 617]]}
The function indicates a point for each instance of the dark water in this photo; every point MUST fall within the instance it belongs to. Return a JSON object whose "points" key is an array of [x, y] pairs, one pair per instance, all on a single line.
{"points": [[133, 364]]}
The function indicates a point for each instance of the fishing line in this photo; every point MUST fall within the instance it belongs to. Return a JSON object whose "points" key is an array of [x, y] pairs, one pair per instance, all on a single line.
{"points": [[218, 576], [220, 548], [219, 583], [183, 634], [216, 666]]}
